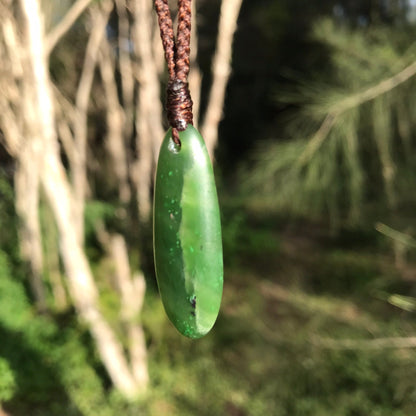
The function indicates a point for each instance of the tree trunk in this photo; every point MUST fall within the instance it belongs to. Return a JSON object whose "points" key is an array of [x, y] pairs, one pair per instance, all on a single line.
{"points": [[18, 118], [27, 207], [52, 174]]}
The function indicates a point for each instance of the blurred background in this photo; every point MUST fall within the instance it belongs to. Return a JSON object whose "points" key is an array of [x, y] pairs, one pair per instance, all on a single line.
{"points": [[308, 109]]}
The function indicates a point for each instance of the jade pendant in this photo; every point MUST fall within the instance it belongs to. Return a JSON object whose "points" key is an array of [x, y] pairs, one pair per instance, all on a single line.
{"points": [[187, 234]]}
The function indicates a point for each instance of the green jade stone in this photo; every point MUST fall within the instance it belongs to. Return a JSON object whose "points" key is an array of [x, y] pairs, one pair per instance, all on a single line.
{"points": [[187, 234]]}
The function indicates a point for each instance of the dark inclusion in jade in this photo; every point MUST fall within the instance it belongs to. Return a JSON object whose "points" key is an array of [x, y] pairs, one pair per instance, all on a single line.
{"points": [[187, 234]]}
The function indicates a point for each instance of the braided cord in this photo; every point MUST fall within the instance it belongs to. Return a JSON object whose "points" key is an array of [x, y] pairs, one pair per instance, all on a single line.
{"points": [[183, 40], [178, 98]]}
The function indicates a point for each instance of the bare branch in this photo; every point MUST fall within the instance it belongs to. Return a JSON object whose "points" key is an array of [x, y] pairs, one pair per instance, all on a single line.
{"points": [[317, 140], [126, 67], [65, 24], [370, 344], [13, 47], [342, 311], [148, 110], [65, 116], [100, 18], [230, 10], [398, 236], [116, 120], [12, 132], [132, 289], [373, 92], [52, 261]]}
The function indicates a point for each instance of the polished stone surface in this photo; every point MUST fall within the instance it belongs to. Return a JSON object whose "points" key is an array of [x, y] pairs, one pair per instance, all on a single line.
{"points": [[187, 234]]}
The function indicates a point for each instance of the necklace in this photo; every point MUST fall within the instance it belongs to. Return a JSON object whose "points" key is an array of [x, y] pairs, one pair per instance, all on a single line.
{"points": [[186, 219]]}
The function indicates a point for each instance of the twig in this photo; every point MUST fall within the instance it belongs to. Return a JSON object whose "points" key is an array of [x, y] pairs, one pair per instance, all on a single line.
{"points": [[317, 140], [132, 288], [116, 120], [64, 25], [371, 344], [126, 66], [402, 238], [373, 92], [342, 311]]}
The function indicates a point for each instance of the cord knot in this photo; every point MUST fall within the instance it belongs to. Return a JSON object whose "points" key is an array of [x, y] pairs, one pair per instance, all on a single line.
{"points": [[179, 104]]}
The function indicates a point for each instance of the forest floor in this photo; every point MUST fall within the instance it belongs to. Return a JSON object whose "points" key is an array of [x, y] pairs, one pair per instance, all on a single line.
{"points": [[312, 323]]}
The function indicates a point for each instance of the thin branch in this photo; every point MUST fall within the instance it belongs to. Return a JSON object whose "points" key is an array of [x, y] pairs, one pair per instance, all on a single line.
{"points": [[99, 21], [116, 121], [373, 92], [342, 311], [221, 70], [149, 110], [12, 136], [65, 116], [395, 235], [13, 46], [65, 24], [350, 102], [371, 344], [126, 67], [317, 140], [132, 288]]}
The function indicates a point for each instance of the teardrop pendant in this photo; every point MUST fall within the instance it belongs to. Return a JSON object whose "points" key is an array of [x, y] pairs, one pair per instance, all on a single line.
{"points": [[187, 234]]}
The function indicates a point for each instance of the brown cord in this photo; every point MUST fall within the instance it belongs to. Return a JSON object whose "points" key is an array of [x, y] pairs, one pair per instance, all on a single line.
{"points": [[178, 100]]}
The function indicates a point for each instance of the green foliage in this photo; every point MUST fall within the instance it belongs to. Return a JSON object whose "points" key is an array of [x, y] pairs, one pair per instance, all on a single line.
{"points": [[243, 238], [43, 364], [359, 121], [7, 381], [14, 307], [8, 221], [343, 272], [96, 212]]}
